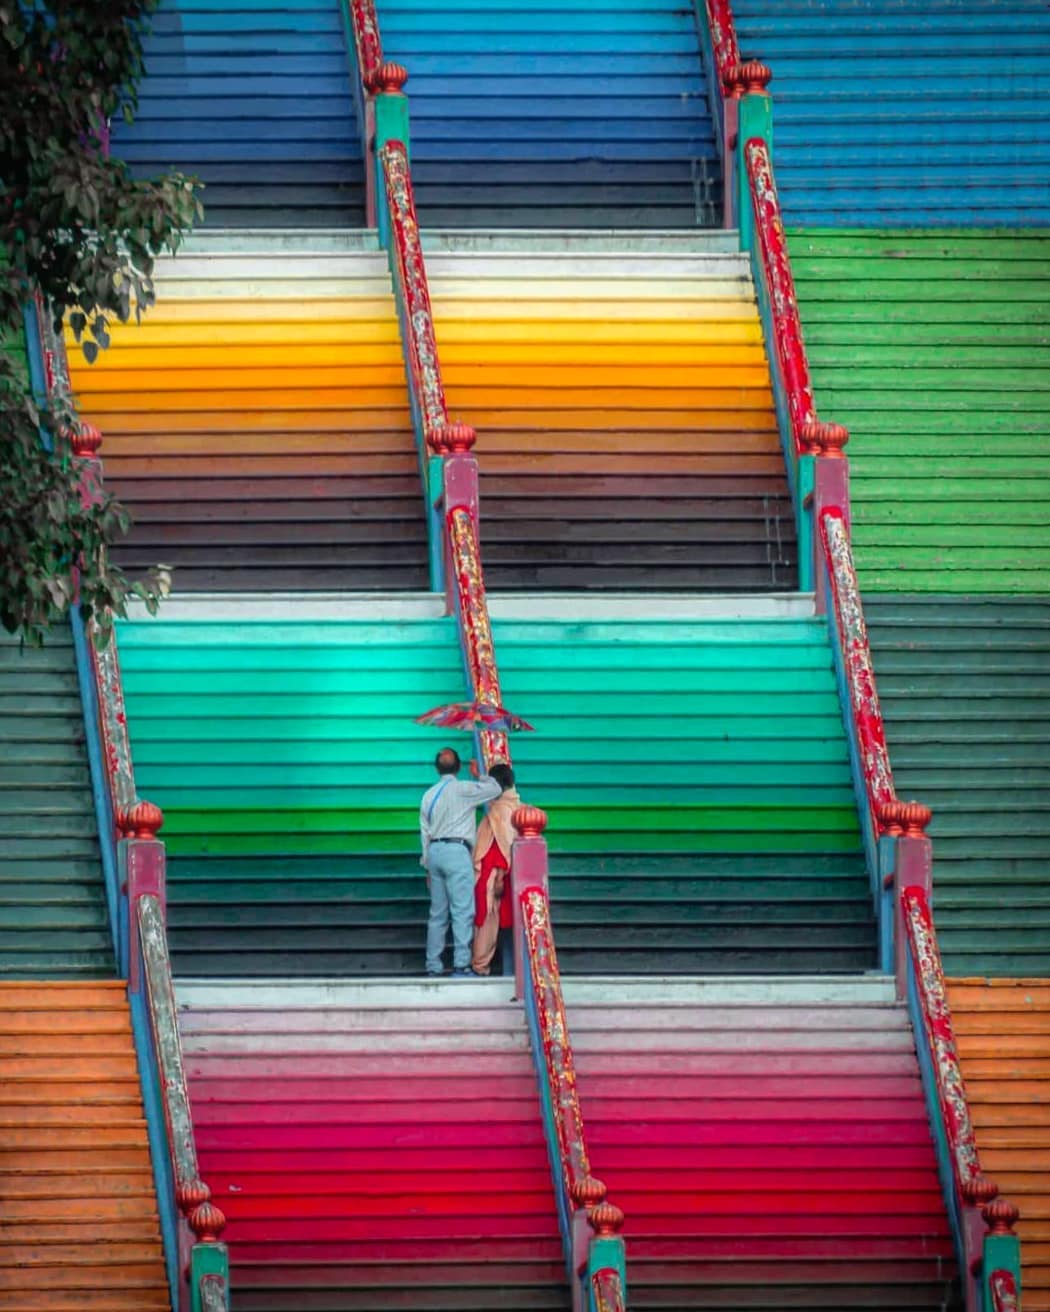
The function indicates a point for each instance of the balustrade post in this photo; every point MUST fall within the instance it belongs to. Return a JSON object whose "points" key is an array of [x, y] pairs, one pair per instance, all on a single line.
{"points": [[455, 470], [1001, 1257], [391, 124], [823, 485], [143, 869], [528, 869], [912, 868], [754, 119], [208, 1256], [606, 1251]]}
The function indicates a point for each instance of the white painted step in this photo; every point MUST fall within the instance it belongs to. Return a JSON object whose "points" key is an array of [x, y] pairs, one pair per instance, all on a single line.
{"points": [[381, 607], [691, 241]]}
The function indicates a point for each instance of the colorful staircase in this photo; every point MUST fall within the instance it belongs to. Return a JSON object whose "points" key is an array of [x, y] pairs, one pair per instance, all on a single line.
{"points": [[417, 1179], [1002, 1027], [54, 922], [256, 423], [255, 100], [569, 116], [767, 1140], [620, 389], [891, 111], [278, 738], [692, 760], [80, 1229]]}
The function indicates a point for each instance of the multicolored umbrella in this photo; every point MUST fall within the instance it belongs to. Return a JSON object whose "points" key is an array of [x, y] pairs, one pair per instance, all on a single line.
{"points": [[475, 715]]}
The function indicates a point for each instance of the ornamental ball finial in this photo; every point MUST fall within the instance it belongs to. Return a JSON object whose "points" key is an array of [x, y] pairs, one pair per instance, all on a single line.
{"points": [[190, 1194], [85, 440], [1000, 1216], [915, 818], [388, 79], [587, 1192], [140, 820], [529, 821], [750, 77], [979, 1190], [821, 439], [889, 817], [606, 1220], [833, 439], [207, 1222], [461, 438]]}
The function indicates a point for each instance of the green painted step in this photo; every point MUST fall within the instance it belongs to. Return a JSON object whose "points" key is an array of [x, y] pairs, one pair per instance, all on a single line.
{"points": [[976, 748], [713, 754], [53, 918], [934, 348], [289, 768], [695, 774]]}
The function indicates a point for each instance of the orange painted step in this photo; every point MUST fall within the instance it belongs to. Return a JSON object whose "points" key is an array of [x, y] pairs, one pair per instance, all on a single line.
{"points": [[80, 1227], [1003, 1030]]}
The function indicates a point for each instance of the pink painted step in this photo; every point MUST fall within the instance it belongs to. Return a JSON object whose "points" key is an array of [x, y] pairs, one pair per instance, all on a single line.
{"points": [[375, 1146], [767, 1140]]}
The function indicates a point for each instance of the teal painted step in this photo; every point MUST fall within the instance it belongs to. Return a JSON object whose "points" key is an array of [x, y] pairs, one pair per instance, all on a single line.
{"points": [[289, 768], [53, 918], [697, 783], [964, 684]]}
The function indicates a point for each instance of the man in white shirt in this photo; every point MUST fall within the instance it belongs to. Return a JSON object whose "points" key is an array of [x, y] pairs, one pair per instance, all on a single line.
{"points": [[447, 827]]}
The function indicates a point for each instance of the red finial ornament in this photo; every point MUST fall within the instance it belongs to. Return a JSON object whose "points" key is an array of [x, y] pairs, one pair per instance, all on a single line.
{"points": [[606, 1220], [207, 1222], [587, 1192], [451, 439], [1000, 1216], [142, 820], [821, 439], [388, 79], [979, 1190], [914, 819], [751, 78], [190, 1194], [85, 439], [529, 821], [889, 818]]}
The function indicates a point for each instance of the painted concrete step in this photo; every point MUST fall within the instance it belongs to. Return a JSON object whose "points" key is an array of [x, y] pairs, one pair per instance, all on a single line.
{"points": [[80, 1216], [287, 1080]]}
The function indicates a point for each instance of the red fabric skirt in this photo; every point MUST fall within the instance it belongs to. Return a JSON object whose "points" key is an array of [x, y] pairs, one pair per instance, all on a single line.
{"points": [[492, 861]]}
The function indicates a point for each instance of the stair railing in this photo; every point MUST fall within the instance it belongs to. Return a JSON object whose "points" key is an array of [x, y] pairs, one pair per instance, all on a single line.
{"points": [[197, 1261], [1005, 1292], [900, 858], [590, 1224]]}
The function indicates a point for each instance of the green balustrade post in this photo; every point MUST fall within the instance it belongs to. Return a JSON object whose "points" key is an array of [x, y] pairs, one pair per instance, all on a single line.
{"points": [[391, 120], [207, 1259], [1001, 1259], [606, 1251], [754, 119]]}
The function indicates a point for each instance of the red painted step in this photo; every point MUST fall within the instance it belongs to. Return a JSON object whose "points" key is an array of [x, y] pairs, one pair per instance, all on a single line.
{"points": [[767, 1141], [375, 1146]]}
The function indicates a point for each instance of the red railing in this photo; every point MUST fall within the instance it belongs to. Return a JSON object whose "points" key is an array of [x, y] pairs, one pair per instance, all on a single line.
{"points": [[591, 1224], [845, 604], [723, 40], [411, 275], [365, 26]]}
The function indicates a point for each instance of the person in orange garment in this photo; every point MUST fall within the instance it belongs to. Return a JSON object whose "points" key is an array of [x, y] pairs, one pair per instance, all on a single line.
{"points": [[492, 905]]}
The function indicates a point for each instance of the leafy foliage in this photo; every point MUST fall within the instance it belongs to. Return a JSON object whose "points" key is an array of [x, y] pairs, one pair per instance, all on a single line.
{"points": [[78, 235]]}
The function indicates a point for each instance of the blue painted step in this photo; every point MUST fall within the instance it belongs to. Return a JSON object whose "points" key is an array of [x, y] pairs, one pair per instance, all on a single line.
{"points": [[893, 112], [580, 115], [256, 101]]}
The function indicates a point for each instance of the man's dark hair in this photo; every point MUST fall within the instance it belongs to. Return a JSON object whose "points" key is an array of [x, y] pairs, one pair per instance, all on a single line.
{"points": [[503, 775], [447, 761]]}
